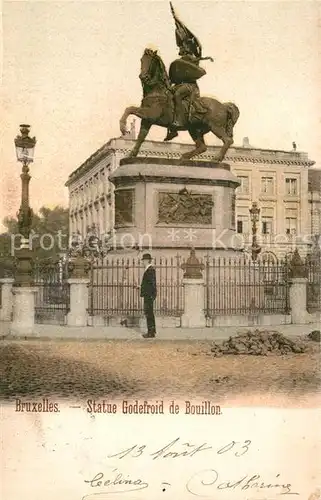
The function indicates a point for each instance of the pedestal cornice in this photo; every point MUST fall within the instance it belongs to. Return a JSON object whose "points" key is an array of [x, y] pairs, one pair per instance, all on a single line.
{"points": [[162, 170], [172, 161]]}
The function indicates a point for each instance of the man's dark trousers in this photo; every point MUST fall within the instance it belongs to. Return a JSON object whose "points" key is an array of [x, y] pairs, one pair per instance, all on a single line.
{"points": [[149, 313], [148, 291]]}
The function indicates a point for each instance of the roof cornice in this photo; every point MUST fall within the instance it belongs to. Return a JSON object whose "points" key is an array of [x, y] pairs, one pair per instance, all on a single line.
{"points": [[169, 152]]}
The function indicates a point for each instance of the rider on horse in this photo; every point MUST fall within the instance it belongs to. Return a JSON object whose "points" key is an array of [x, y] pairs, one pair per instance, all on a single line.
{"points": [[197, 115], [184, 73]]}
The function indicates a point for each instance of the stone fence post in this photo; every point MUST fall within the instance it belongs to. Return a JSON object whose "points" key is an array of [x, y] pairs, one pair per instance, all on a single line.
{"points": [[298, 301], [298, 290], [23, 311], [6, 299], [193, 316], [78, 282]]}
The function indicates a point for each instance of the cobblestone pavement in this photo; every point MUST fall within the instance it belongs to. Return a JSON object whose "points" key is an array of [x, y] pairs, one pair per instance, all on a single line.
{"points": [[145, 369]]}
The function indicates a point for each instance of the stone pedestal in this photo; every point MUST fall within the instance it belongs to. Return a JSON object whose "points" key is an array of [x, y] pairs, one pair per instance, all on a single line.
{"points": [[193, 316], [6, 299], [78, 302], [166, 206], [23, 311], [298, 301]]}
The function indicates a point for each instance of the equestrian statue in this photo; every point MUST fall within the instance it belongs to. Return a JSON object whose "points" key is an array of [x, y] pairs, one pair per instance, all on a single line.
{"points": [[173, 100]]}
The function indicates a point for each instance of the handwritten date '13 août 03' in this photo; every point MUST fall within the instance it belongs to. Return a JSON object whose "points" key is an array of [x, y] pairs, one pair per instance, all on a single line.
{"points": [[203, 483], [177, 448]]}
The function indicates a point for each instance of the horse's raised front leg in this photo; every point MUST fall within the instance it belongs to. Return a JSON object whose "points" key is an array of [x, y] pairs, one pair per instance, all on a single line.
{"points": [[144, 129], [131, 110], [146, 113]]}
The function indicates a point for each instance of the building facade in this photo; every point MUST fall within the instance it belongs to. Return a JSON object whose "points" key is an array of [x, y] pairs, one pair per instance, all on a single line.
{"points": [[314, 196], [283, 184]]}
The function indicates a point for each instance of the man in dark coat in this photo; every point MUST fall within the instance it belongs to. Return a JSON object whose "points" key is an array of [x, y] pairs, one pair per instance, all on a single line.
{"points": [[148, 291]]}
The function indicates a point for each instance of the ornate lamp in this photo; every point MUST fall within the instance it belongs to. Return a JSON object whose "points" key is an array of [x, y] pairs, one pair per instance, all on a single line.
{"points": [[255, 215], [255, 212], [25, 146]]}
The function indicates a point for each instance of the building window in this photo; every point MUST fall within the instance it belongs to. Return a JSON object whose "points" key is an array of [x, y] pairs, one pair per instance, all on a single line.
{"points": [[244, 187], [76, 198], [242, 224], [86, 193], [291, 186], [267, 185], [102, 181], [96, 185], [267, 225], [291, 225], [82, 196]]}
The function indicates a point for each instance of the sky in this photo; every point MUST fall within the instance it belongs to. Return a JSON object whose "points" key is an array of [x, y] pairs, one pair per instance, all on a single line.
{"points": [[69, 69]]}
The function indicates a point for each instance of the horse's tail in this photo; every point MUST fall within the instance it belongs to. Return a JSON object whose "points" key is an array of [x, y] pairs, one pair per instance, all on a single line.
{"points": [[233, 114]]}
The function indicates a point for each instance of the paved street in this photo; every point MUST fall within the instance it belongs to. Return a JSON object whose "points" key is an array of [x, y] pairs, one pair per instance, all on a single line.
{"points": [[166, 369]]}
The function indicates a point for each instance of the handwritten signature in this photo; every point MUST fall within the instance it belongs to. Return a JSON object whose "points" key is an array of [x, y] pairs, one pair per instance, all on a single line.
{"points": [[117, 483], [202, 484]]}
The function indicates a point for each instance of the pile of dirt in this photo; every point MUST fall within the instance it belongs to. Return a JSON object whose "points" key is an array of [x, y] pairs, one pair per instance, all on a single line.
{"points": [[315, 336], [259, 343]]}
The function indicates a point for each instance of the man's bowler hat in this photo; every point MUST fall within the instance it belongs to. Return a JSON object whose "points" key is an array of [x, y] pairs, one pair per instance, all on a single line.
{"points": [[147, 256]]}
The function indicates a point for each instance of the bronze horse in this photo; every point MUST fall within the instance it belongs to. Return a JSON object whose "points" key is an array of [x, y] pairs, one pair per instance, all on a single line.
{"points": [[157, 109]]}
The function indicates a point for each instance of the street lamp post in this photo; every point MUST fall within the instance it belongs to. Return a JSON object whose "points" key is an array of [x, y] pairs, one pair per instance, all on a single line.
{"points": [[255, 214], [25, 146]]}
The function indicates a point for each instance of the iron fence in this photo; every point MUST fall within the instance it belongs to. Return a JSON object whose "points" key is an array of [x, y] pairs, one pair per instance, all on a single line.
{"points": [[114, 288], [232, 287], [313, 286], [240, 286], [52, 298]]}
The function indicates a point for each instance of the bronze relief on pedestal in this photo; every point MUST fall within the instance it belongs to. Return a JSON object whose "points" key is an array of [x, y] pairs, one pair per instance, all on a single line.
{"points": [[124, 207], [185, 207]]}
